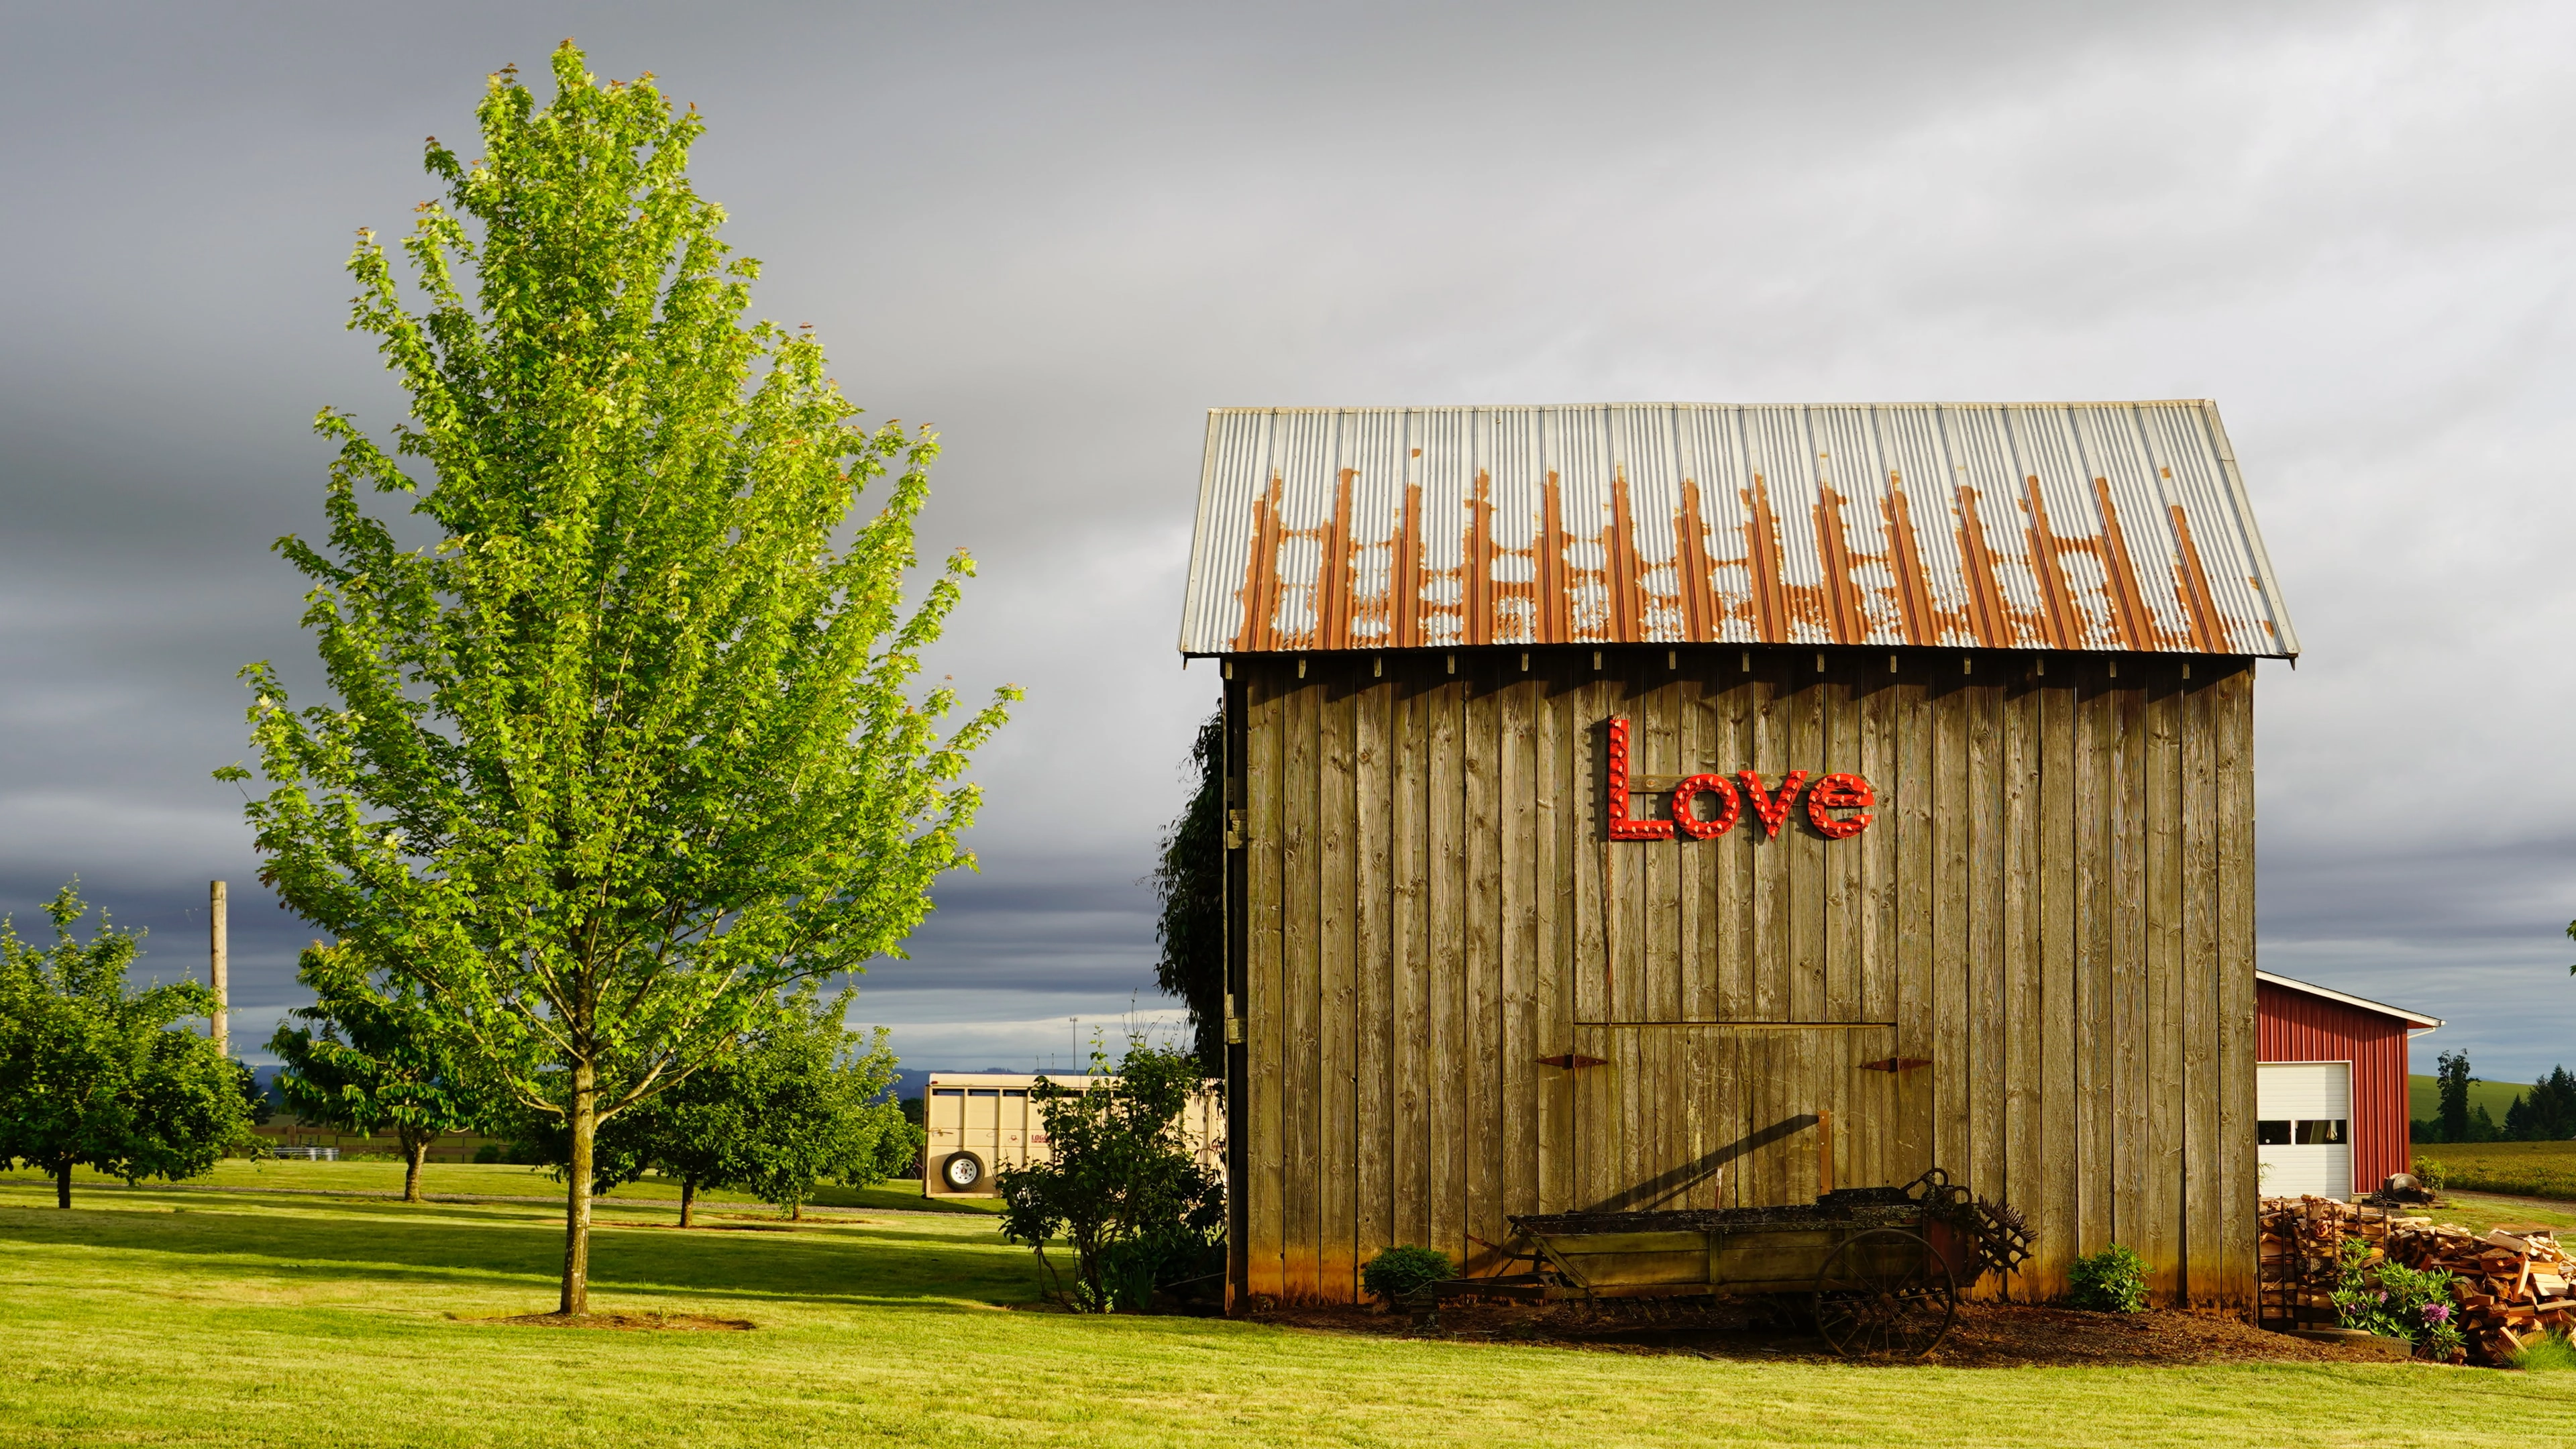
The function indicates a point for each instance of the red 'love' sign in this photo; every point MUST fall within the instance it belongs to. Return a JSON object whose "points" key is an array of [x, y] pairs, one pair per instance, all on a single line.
{"points": [[1771, 807]]}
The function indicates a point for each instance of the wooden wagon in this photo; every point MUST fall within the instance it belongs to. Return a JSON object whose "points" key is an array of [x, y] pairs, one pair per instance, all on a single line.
{"points": [[1881, 1268]]}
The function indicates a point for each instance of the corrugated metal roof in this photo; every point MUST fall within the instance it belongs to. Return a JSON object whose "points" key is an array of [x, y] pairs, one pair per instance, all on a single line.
{"points": [[2112, 526]]}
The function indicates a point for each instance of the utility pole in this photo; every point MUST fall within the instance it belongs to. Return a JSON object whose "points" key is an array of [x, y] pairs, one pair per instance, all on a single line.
{"points": [[218, 969]]}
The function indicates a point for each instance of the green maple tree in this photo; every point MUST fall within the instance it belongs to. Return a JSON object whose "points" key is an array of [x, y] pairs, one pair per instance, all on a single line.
{"points": [[625, 739]]}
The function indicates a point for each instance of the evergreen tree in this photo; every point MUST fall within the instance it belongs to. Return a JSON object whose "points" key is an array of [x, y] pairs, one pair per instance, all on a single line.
{"points": [[2546, 1113], [96, 1074], [2453, 1089], [631, 745], [1190, 878], [2553, 1101], [255, 1099]]}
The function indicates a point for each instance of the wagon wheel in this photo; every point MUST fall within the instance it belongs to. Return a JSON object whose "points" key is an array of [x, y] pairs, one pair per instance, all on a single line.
{"points": [[1885, 1292]]}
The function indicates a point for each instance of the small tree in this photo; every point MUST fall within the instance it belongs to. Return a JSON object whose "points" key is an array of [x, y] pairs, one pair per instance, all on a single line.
{"points": [[817, 1105], [798, 1102], [1190, 878], [96, 1074], [371, 1058], [1122, 1187], [631, 745]]}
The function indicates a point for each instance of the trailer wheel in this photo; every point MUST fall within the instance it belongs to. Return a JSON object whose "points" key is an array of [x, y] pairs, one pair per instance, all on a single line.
{"points": [[961, 1171], [1885, 1293]]}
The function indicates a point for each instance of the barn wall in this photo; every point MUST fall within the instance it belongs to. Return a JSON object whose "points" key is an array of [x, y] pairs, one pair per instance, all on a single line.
{"points": [[2292, 1026], [2053, 907]]}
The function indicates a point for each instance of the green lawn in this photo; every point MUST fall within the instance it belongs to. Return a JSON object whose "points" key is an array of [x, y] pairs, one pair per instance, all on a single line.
{"points": [[151, 1316]]}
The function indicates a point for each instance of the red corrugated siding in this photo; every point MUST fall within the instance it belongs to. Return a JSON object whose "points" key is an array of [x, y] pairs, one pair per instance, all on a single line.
{"points": [[2292, 1026]]}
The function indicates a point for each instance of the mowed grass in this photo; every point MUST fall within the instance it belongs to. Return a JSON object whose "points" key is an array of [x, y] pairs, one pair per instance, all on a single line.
{"points": [[2479, 1211], [150, 1316], [2526, 1169]]}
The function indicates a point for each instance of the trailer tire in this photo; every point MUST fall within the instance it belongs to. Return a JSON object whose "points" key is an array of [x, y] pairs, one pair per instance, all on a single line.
{"points": [[962, 1171]]}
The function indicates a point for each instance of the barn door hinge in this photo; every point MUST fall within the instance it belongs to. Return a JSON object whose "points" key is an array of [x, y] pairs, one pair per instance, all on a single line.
{"points": [[1896, 1064], [1572, 1061], [1234, 830]]}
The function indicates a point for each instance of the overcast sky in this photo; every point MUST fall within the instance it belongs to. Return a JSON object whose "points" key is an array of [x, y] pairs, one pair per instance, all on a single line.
{"points": [[1059, 233]]}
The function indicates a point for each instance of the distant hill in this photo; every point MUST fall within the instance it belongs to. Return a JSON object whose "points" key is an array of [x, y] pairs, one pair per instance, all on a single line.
{"points": [[2424, 1101]]}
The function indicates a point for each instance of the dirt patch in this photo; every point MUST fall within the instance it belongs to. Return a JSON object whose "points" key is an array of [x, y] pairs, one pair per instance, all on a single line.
{"points": [[630, 1322], [1987, 1335]]}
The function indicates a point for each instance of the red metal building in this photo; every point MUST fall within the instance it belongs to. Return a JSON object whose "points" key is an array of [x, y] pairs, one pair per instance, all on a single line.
{"points": [[2330, 1090]]}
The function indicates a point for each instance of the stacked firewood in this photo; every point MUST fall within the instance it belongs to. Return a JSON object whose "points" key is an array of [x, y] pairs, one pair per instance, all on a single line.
{"points": [[2511, 1287], [2302, 1254], [2508, 1288]]}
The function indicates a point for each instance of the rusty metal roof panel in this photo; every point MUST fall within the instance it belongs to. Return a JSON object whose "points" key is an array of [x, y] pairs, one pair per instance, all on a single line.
{"points": [[2080, 526]]}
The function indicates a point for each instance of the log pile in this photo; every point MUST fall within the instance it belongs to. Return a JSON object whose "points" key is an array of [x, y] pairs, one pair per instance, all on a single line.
{"points": [[2302, 1253], [2508, 1287]]}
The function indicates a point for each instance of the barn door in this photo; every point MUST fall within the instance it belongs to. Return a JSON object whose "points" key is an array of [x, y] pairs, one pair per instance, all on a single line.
{"points": [[1700, 1114]]}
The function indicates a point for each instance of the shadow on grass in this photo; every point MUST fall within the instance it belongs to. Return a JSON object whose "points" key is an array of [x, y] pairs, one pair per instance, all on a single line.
{"points": [[315, 1237], [605, 1212]]}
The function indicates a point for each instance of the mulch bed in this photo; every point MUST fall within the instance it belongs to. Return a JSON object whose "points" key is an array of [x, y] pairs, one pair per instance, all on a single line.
{"points": [[1988, 1335], [630, 1322]]}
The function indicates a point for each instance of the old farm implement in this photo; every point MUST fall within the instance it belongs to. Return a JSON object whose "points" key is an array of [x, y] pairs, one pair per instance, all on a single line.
{"points": [[1881, 1268]]}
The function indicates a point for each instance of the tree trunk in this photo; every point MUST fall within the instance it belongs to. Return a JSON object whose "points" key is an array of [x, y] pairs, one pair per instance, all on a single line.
{"points": [[796, 1212], [415, 1147], [63, 1183], [585, 1131], [688, 1201]]}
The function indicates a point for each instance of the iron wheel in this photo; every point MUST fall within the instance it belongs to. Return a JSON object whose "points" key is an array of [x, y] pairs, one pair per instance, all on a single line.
{"points": [[1885, 1294]]}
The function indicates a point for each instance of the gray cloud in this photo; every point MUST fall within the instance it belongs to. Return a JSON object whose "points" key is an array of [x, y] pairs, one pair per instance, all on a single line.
{"points": [[1061, 233]]}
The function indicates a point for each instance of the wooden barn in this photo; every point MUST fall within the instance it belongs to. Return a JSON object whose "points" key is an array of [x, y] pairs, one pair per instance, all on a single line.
{"points": [[1620, 794]]}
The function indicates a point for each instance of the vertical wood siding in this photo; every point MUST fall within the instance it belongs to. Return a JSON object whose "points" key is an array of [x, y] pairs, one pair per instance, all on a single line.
{"points": [[2053, 906], [2292, 1026]]}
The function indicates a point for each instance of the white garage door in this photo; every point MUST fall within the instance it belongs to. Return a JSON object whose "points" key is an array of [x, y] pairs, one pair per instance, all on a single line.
{"points": [[2304, 1128]]}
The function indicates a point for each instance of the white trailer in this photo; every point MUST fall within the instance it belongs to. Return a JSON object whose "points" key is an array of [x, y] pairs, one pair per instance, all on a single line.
{"points": [[982, 1122]]}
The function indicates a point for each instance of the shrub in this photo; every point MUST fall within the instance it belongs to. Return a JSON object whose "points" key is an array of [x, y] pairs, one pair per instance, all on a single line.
{"points": [[488, 1152], [1395, 1273], [2113, 1280], [2433, 1173], [1122, 1189], [2551, 1351], [2395, 1301]]}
